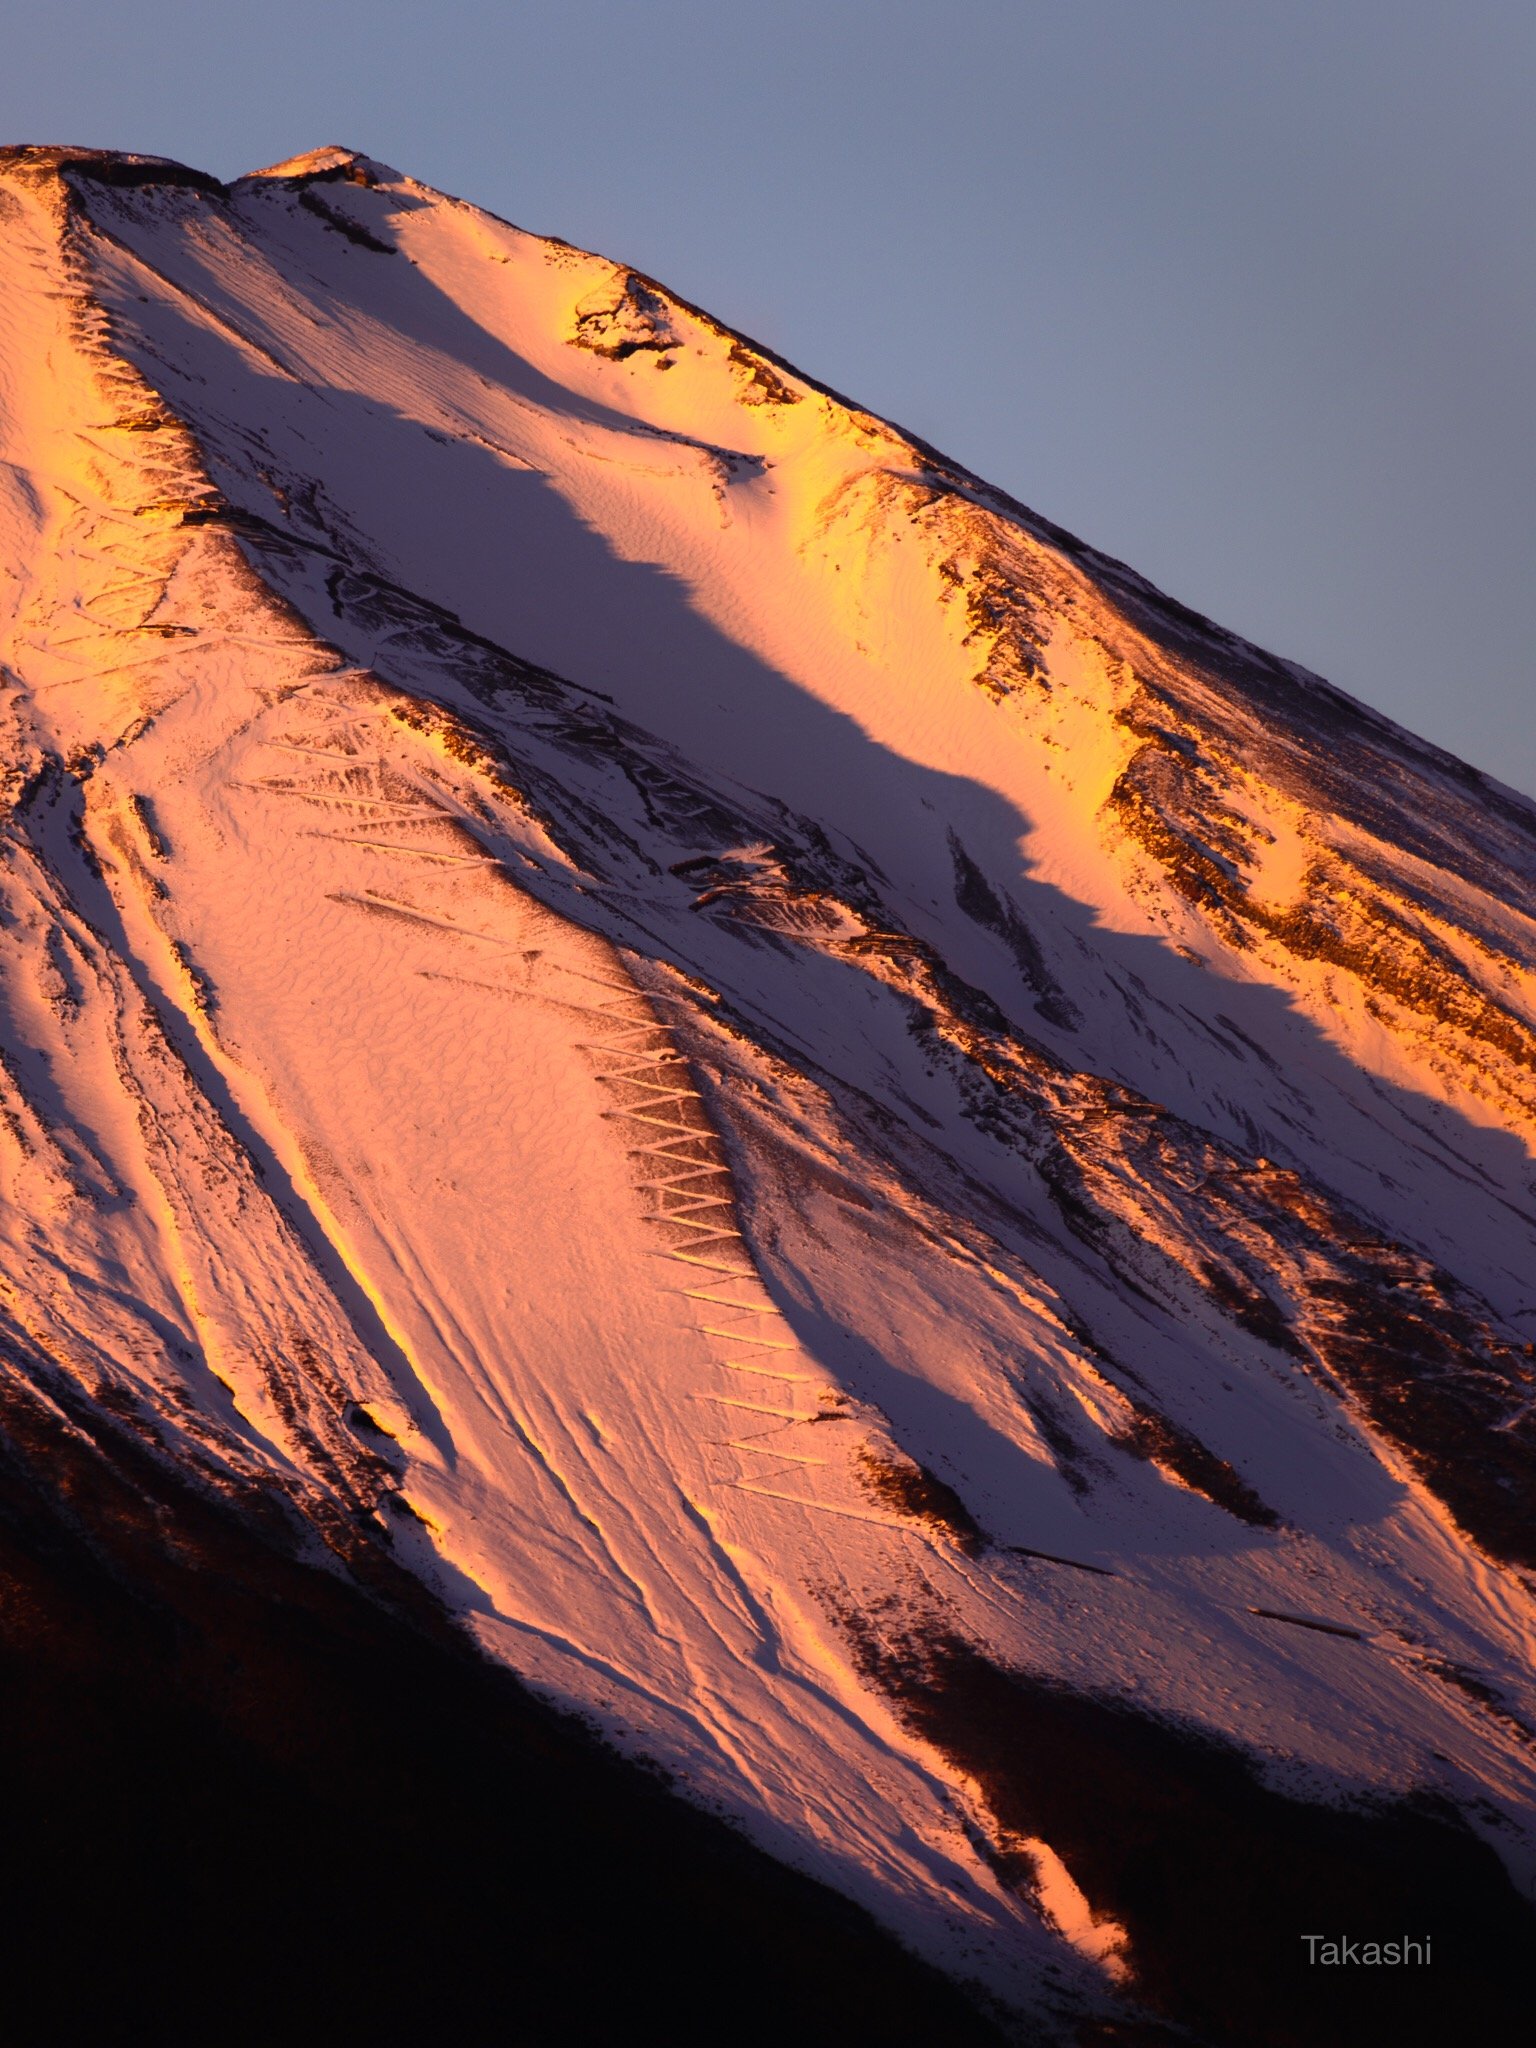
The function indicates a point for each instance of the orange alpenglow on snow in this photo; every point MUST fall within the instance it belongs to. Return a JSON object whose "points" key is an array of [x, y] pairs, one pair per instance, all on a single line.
{"points": [[889, 1165]]}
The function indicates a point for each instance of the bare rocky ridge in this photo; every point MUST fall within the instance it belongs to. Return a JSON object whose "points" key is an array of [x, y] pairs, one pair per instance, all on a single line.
{"points": [[639, 1004]]}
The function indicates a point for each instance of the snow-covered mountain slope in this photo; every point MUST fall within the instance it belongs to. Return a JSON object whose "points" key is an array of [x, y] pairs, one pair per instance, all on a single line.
{"points": [[894, 1165]]}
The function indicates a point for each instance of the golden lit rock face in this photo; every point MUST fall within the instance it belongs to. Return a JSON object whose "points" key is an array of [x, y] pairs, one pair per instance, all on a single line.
{"points": [[1459, 1001], [629, 993]]}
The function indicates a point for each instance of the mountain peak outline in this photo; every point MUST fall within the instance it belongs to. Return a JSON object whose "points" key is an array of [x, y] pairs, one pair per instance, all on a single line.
{"points": [[642, 1019]]}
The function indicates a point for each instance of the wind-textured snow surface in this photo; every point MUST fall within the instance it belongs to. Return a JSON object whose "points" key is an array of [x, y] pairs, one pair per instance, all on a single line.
{"points": [[624, 984]]}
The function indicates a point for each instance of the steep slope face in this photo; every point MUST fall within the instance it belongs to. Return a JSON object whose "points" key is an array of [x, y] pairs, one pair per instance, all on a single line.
{"points": [[790, 1087]]}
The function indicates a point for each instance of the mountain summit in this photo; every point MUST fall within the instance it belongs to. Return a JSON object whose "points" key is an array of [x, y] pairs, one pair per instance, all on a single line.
{"points": [[646, 1028]]}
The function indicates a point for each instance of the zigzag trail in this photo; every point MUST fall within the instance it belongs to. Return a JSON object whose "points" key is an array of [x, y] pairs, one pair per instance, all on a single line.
{"points": [[725, 1286]]}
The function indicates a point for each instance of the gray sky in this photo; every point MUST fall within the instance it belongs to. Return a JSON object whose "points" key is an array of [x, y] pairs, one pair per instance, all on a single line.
{"points": [[1243, 291]]}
